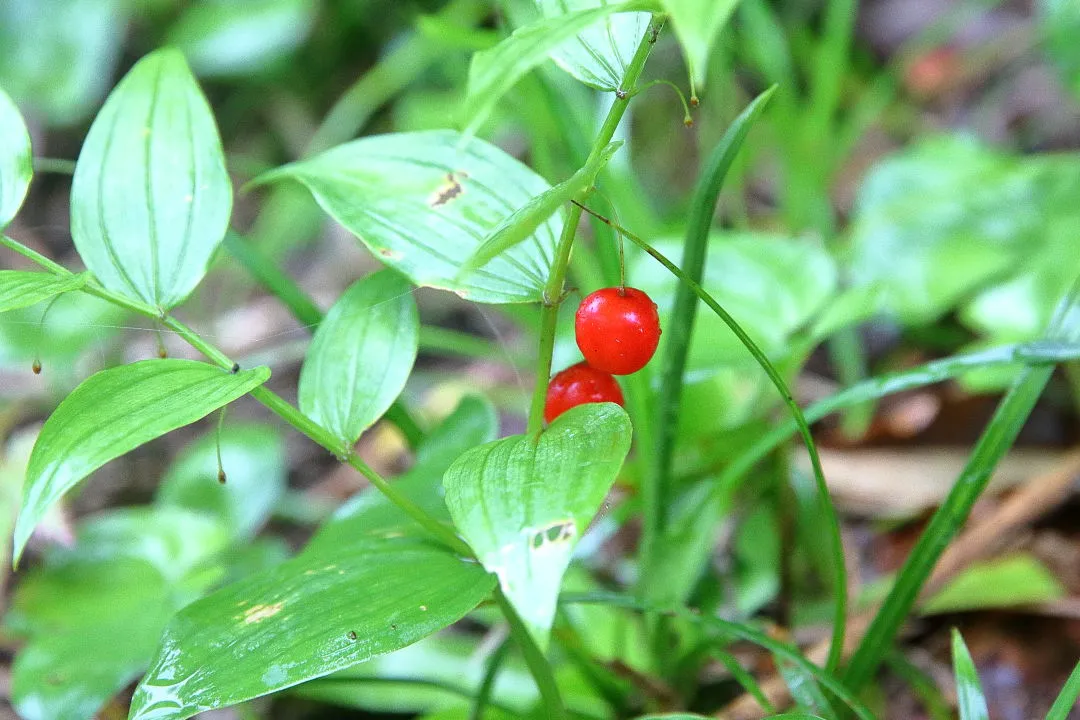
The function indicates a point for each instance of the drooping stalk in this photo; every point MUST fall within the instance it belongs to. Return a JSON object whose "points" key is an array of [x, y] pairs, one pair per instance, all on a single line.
{"points": [[274, 402], [553, 290]]}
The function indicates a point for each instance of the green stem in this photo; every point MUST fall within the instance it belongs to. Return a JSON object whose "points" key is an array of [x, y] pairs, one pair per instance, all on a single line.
{"points": [[827, 507], [274, 402], [487, 684], [534, 659], [553, 291], [1066, 700]]}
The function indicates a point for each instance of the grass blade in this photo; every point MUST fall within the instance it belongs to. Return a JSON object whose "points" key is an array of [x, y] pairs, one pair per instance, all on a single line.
{"points": [[969, 692], [1066, 699], [695, 247], [935, 371], [836, 548], [743, 632], [996, 440]]}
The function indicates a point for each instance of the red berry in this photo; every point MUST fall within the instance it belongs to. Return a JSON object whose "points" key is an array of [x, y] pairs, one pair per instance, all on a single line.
{"points": [[577, 385], [617, 330]]}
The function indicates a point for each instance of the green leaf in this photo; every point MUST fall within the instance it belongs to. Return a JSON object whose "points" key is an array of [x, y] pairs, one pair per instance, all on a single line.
{"points": [[20, 289], [253, 457], [1059, 23], [59, 57], [1004, 582], [222, 37], [16, 164], [107, 598], [150, 200], [969, 693], [323, 611], [430, 200], [493, 72], [697, 23], [113, 412], [599, 54], [519, 226], [927, 255], [361, 356], [523, 503]]}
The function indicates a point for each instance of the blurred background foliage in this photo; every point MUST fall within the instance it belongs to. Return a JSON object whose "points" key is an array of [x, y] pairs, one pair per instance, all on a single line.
{"points": [[913, 192]]}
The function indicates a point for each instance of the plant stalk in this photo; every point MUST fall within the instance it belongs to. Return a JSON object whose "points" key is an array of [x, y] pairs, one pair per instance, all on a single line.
{"points": [[553, 291]]}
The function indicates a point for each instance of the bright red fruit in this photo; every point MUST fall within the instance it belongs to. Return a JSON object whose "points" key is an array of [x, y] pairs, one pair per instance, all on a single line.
{"points": [[577, 385], [617, 330]]}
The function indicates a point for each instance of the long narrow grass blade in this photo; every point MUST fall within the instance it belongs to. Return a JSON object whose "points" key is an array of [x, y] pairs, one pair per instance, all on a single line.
{"points": [[836, 546], [969, 692], [695, 246], [935, 371], [1066, 699], [996, 440]]}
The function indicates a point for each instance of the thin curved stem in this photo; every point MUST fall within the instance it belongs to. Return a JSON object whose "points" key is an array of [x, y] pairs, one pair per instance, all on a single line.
{"points": [[274, 402], [831, 520]]}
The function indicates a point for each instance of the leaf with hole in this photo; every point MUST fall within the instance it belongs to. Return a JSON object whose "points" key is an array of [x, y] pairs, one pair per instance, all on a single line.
{"points": [[19, 289], [697, 24], [969, 692], [361, 356], [253, 457], [16, 166], [325, 610], [430, 199], [113, 412], [524, 222], [523, 503], [150, 200], [493, 72]]}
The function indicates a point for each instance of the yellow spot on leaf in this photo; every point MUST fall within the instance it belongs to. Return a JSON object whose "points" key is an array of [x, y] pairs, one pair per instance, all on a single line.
{"points": [[258, 613]]}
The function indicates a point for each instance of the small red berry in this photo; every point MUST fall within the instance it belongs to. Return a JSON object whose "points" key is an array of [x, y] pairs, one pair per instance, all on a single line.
{"points": [[617, 330], [577, 385]]}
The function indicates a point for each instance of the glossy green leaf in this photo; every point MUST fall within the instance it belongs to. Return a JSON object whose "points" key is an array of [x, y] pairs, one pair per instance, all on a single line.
{"points": [[16, 166], [93, 614], [927, 255], [493, 72], [969, 693], [525, 221], [472, 423], [361, 356], [429, 201], [1059, 22], [113, 412], [523, 504], [59, 56], [222, 37], [19, 289], [253, 457], [150, 200], [1004, 582], [600, 53], [323, 611], [697, 24]]}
